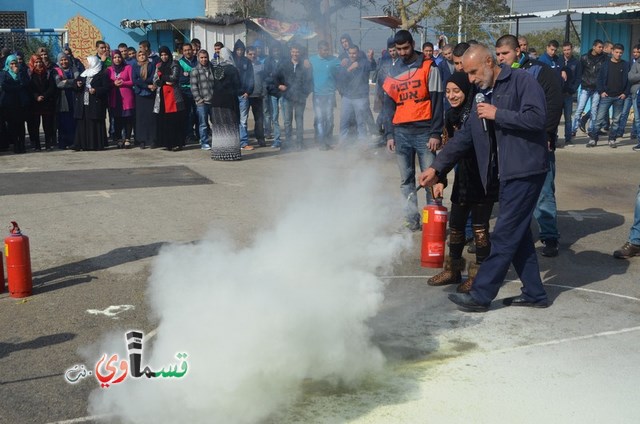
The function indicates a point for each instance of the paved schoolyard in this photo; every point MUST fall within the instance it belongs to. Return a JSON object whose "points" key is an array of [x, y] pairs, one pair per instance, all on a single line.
{"points": [[97, 220]]}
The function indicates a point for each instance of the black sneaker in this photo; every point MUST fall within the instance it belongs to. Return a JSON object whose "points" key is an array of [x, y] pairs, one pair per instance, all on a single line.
{"points": [[550, 248], [636, 148]]}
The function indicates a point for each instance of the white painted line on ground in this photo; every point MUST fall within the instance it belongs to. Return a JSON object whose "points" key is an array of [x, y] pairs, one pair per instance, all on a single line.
{"points": [[81, 419], [595, 291], [568, 339], [112, 310], [580, 216], [105, 194], [622, 296]]}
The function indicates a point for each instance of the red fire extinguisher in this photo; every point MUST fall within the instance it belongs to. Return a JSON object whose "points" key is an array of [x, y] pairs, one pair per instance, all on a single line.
{"points": [[16, 250], [1, 275], [434, 234]]}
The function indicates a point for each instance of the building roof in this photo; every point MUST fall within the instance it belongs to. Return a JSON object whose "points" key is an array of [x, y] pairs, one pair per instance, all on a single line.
{"points": [[614, 9]]}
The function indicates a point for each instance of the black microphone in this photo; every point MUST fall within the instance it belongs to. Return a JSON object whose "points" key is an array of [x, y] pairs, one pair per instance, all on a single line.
{"points": [[480, 99]]}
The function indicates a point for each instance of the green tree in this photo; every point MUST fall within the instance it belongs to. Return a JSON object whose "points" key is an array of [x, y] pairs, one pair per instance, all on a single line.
{"points": [[478, 19], [539, 39]]}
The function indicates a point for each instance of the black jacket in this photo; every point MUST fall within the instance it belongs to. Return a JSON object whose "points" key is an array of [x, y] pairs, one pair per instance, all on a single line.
{"points": [[590, 66], [298, 79], [97, 107], [551, 84]]}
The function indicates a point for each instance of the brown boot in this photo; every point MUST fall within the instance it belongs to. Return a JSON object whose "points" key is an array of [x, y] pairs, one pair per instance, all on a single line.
{"points": [[466, 286], [452, 273]]}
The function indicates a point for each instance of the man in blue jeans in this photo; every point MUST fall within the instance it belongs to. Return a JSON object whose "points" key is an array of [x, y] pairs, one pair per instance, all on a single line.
{"points": [[590, 64], [613, 87], [632, 247], [414, 114], [353, 82], [201, 81], [245, 69], [325, 68]]}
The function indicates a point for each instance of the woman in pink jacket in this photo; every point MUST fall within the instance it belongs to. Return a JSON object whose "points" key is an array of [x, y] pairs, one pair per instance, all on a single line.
{"points": [[121, 98]]}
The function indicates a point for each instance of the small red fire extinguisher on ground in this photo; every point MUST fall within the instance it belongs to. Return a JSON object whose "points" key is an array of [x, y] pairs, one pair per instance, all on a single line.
{"points": [[434, 234], [16, 251]]}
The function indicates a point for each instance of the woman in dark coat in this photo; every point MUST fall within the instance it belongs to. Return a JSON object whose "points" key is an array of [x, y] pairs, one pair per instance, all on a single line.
{"points": [[468, 194], [144, 89], [225, 109], [66, 77], [15, 100], [89, 107], [43, 89], [169, 104]]}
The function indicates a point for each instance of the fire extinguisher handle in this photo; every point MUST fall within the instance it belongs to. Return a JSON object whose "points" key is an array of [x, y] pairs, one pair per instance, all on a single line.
{"points": [[15, 229]]}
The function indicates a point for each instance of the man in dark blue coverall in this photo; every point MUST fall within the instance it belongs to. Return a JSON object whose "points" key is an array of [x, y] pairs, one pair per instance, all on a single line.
{"points": [[507, 131]]}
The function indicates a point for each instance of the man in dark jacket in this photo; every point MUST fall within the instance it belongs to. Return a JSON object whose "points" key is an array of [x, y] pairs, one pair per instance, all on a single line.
{"points": [[272, 111], [257, 96], [546, 213], [245, 69], [507, 131], [590, 64], [571, 81], [613, 87], [187, 62], [353, 80], [295, 81]]}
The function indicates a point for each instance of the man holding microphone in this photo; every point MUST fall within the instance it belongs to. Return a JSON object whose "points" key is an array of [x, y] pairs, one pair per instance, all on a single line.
{"points": [[507, 129]]}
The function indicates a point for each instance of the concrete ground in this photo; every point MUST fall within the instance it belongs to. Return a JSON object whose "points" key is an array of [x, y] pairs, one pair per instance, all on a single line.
{"points": [[96, 220]]}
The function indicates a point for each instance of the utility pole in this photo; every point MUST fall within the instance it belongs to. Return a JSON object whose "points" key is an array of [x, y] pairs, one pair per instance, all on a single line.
{"points": [[460, 22]]}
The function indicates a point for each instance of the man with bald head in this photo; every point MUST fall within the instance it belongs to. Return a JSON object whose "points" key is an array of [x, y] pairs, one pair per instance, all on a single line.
{"points": [[507, 130]]}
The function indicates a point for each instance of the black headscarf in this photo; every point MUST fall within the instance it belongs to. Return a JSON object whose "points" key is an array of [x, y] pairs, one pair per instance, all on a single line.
{"points": [[457, 115], [165, 67]]}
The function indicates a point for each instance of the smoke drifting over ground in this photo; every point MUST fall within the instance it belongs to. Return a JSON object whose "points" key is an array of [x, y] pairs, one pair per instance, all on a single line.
{"points": [[257, 321]]}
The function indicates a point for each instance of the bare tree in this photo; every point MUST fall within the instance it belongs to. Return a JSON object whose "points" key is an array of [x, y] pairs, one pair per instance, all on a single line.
{"points": [[411, 12], [253, 8]]}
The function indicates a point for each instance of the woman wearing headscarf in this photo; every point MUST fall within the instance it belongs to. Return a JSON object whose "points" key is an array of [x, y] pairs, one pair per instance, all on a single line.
{"points": [[169, 104], [89, 107], [14, 101], [66, 77], [225, 109], [468, 194], [42, 87], [144, 89], [121, 99]]}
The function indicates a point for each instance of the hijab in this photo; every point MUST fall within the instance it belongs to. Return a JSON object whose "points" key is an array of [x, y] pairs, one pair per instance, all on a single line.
{"points": [[117, 68], [144, 65], [32, 65], [457, 115], [62, 56], [94, 66], [226, 57], [165, 67], [7, 68]]}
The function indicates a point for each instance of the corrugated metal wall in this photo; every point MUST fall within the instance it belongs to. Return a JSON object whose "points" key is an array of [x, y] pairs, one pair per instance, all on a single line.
{"points": [[614, 28]]}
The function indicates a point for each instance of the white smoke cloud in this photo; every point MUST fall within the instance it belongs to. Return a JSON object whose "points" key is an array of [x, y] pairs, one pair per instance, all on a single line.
{"points": [[259, 320]]}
